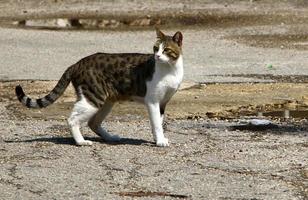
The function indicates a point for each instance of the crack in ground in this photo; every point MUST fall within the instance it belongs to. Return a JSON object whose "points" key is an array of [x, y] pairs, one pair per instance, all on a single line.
{"points": [[24, 157], [152, 194]]}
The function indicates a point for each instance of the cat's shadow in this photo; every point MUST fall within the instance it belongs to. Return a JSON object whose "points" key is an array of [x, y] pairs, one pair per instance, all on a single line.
{"points": [[70, 141]]}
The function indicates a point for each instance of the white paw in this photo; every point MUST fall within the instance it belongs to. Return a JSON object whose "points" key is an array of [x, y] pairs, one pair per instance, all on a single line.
{"points": [[162, 142], [84, 143]]}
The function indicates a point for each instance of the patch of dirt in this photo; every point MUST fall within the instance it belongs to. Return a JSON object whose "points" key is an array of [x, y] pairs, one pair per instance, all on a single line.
{"points": [[284, 40], [275, 78], [165, 20], [113, 15], [223, 101]]}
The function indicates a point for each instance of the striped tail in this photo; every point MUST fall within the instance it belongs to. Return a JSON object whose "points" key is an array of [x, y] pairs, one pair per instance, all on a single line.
{"points": [[56, 92]]}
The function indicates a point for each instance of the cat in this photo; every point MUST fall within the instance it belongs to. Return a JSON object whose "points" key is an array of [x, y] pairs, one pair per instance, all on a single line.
{"points": [[101, 79]]}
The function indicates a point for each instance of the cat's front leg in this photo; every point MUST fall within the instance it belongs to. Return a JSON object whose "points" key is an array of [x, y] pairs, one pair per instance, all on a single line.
{"points": [[156, 123]]}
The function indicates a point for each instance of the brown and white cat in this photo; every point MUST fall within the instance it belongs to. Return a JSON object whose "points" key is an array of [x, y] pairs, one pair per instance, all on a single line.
{"points": [[102, 79]]}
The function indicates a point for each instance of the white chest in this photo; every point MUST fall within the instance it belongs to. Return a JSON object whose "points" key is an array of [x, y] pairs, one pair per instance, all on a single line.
{"points": [[165, 82]]}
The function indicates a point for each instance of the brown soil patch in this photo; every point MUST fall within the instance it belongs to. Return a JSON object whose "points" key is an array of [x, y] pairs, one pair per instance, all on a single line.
{"points": [[199, 101]]}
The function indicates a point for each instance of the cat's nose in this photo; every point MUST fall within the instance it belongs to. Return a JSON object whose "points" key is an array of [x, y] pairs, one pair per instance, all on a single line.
{"points": [[157, 56]]}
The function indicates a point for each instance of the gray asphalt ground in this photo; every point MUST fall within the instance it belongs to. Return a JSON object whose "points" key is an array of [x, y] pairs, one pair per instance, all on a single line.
{"points": [[207, 159], [33, 54], [229, 41]]}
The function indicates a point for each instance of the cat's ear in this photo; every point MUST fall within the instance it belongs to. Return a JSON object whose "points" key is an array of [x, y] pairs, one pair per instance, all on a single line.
{"points": [[159, 34], [178, 38]]}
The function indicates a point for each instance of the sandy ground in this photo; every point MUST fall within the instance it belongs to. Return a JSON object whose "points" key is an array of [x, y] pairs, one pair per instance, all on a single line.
{"points": [[214, 154]]}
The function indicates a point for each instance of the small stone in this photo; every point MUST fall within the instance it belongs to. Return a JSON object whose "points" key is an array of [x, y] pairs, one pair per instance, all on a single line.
{"points": [[63, 23]]}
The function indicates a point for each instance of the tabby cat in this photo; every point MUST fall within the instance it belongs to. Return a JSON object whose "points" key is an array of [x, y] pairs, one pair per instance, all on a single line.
{"points": [[102, 79]]}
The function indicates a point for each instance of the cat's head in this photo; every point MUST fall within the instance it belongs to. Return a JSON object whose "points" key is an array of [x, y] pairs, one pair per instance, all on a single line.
{"points": [[167, 49]]}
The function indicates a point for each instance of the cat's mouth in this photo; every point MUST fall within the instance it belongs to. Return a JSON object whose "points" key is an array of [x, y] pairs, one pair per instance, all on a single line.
{"points": [[157, 58]]}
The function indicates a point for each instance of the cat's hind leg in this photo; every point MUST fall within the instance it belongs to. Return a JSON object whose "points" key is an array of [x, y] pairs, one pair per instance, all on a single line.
{"points": [[81, 113], [96, 121]]}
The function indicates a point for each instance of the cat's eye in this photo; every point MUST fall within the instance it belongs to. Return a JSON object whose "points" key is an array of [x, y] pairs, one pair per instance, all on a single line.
{"points": [[167, 50], [155, 48]]}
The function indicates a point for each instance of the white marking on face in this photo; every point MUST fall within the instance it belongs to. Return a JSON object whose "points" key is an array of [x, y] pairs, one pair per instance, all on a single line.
{"points": [[160, 56]]}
